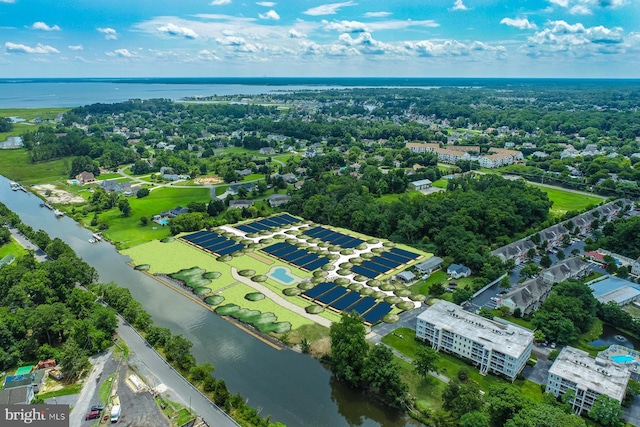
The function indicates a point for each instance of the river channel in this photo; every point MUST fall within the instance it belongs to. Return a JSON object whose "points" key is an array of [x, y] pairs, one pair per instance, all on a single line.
{"points": [[295, 389]]}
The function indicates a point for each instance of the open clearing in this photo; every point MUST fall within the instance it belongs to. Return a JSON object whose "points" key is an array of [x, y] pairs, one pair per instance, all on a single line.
{"points": [[564, 201], [55, 195]]}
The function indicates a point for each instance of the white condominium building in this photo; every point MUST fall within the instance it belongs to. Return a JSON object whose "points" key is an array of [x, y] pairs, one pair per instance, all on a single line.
{"points": [[588, 377], [492, 346]]}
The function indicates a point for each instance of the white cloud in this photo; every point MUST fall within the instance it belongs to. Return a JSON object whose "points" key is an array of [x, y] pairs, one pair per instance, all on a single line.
{"points": [[521, 23], [109, 33], [377, 14], [327, 9], [175, 30], [584, 7], [272, 14], [239, 44], [121, 53], [295, 34], [580, 9], [448, 48], [21, 48], [345, 26], [266, 3], [44, 27], [396, 24], [220, 2], [76, 47], [576, 39], [366, 44], [459, 5]]}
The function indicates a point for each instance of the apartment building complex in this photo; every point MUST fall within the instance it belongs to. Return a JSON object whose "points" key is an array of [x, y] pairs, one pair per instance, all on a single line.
{"points": [[492, 346], [588, 377], [454, 153]]}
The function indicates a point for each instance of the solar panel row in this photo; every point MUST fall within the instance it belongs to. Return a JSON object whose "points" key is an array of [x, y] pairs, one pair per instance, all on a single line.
{"points": [[213, 242], [295, 256], [341, 299], [267, 223], [384, 263], [334, 237]]}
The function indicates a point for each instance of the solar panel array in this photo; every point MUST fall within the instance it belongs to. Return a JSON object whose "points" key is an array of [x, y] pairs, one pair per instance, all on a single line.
{"points": [[267, 223], [334, 237], [298, 257], [213, 242], [385, 262], [342, 299]]}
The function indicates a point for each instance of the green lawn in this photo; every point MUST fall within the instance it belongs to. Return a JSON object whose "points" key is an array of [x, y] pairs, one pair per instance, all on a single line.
{"points": [[441, 183], [394, 197], [564, 201], [632, 310], [14, 248], [15, 165], [427, 390], [127, 232], [106, 176], [422, 286], [32, 113], [403, 340], [253, 177]]}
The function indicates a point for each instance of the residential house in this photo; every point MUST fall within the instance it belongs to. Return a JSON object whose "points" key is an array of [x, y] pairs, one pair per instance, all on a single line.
{"points": [[111, 186], [553, 235], [276, 200], [422, 184], [570, 268], [233, 189], [430, 265], [458, 270], [268, 151], [177, 211], [240, 204], [517, 250], [17, 396], [85, 178], [588, 377], [528, 296], [243, 172], [33, 379], [490, 345], [406, 276], [289, 178]]}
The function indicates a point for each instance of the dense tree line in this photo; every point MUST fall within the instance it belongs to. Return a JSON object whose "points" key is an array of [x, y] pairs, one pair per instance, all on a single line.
{"points": [[462, 223], [369, 368], [622, 236], [43, 314]]}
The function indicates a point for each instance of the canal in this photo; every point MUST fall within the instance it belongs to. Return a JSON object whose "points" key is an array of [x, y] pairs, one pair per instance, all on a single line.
{"points": [[295, 389]]}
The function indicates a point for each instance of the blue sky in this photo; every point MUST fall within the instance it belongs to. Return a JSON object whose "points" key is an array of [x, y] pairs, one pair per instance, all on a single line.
{"points": [[396, 38]]}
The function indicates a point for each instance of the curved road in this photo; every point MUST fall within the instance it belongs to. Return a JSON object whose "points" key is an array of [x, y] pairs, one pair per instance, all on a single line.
{"points": [[200, 404]]}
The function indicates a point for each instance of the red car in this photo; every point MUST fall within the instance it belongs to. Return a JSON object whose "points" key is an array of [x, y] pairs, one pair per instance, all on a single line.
{"points": [[92, 415]]}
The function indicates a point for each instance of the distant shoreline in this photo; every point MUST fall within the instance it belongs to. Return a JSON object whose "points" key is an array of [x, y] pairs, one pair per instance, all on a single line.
{"points": [[335, 81]]}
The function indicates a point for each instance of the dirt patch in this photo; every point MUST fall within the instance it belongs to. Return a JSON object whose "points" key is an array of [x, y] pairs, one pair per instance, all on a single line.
{"points": [[207, 180], [56, 195], [260, 258]]}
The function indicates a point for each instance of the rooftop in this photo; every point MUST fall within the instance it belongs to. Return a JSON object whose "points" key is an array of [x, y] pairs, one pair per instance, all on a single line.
{"points": [[509, 339], [600, 375], [609, 285]]}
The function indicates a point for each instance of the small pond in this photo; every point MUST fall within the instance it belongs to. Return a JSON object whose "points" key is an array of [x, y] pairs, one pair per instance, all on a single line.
{"points": [[611, 335]]}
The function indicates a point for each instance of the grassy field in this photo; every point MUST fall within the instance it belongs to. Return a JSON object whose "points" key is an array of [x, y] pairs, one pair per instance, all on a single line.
{"points": [[441, 183], [564, 201], [422, 286], [393, 197], [28, 114], [403, 340], [127, 232], [253, 177], [15, 165], [14, 248]]}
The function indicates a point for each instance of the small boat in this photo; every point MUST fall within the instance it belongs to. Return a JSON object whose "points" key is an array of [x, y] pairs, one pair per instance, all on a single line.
{"points": [[14, 185], [58, 213], [42, 204], [21, 188], [96, 237], [92, 240]]}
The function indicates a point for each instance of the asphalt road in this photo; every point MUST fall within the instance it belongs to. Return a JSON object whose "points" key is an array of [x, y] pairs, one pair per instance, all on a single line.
{"points": [[172, 379], [38, 253], [87, 396]]}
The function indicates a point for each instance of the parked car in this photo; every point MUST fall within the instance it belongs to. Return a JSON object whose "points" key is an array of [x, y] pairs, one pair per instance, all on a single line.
{"points": [[92, 415], [98, 407]]}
